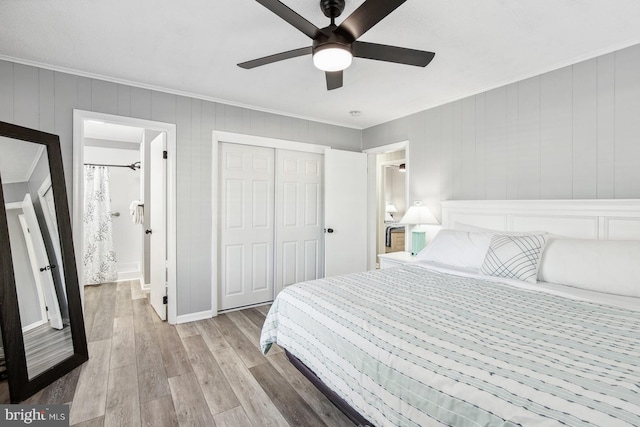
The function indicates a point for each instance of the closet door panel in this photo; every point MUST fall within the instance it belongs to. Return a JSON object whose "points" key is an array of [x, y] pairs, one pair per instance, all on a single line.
{"points": [[247, 182], [299, 209]]}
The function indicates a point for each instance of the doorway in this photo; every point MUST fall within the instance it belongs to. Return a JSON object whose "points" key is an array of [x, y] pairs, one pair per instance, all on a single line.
{"points": [[135, 160], [388, 195]]}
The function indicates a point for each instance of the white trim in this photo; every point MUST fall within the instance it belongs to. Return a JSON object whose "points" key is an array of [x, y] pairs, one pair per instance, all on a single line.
{"points": [[79, 116], [13, 205], [168, 90], [34, 325], [192, 317], [591, 219], [239, 138], [35, 162], [46, 184]]}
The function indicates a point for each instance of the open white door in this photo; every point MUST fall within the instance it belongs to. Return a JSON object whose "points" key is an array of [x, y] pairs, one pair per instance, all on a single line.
{"points": [[157, 211], [43, 264], [345, 215]]}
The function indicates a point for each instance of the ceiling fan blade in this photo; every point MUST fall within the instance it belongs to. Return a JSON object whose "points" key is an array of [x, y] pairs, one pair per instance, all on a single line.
{"points": [[367, 15], [334, 79], [275, 58], [286, 13], [400, 55]]}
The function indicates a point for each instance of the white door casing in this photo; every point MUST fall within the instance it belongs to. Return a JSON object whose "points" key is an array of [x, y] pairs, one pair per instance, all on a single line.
{"points": [[246, 215], [156, 209], [299, 205], [36, 273], [44, 265], [345, 218]]}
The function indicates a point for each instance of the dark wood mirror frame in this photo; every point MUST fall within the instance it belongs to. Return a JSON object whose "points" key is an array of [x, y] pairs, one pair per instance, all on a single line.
{"points": [[20, 386]]}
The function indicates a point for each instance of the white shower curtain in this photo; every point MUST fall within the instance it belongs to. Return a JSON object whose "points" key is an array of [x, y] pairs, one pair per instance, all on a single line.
{"points": [[99, 254]]}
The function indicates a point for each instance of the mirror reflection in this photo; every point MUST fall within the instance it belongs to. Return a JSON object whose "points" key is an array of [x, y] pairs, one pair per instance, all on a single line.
{"points": [[36, 254]]}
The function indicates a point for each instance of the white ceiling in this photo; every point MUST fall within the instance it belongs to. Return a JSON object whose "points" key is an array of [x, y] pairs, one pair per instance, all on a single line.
{"points": [[193, 47], [18, 160]]}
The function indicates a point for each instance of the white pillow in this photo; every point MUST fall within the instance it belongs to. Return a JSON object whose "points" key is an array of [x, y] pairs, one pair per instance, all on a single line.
{"points": [[457, 248], [514, 257], [610, 266]]}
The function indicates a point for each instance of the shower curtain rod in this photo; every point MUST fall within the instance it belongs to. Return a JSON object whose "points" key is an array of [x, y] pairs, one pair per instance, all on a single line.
{"points": [[132, 166]]}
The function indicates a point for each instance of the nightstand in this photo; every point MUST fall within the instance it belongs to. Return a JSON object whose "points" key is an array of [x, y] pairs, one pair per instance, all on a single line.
{"points": [[396, 259]]}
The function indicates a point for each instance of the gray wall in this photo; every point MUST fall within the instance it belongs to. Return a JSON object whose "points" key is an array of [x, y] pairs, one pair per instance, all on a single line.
{"points": [[45, 99], [573, 133]]}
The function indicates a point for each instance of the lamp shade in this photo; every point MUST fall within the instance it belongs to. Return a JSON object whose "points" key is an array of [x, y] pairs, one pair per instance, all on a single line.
{"points": [[418, 215], [391, 208], [332, 57]]}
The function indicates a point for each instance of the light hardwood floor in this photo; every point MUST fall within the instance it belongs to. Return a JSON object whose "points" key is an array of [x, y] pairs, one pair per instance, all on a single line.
{"points": [[144, 372]]}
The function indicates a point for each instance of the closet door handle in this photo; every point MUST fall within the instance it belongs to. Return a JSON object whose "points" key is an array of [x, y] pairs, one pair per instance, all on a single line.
{"points": [[328, 230], [148, 232]]}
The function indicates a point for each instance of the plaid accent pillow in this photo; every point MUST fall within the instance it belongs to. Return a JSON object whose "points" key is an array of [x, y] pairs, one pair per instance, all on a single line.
{"points": [[514, 257]]}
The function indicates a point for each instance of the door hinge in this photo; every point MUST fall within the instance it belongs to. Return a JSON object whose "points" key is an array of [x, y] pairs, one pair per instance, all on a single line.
{"points": [[165, 299], [164, 154]]}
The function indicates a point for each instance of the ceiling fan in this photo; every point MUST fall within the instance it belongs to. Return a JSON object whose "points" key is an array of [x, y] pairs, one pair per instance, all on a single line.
{"points": [[334, 47]]}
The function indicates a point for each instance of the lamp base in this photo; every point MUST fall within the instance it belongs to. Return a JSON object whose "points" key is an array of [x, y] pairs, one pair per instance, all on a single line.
{"points": [[418, 241]]}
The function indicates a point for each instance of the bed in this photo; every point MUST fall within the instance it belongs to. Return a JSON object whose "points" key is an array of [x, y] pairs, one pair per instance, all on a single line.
{"points": [[446, 343]]}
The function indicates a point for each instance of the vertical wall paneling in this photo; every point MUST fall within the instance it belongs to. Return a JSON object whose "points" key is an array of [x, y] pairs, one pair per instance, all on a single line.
{"points": [[457, 177], [481, 150], [6, 91], [84, 94], [163, 105], [605, 75], [183, 190], [627, 115], [104, 97], [47, 107], [124, 102], [585, 130], [66, 98], [468, 145], [496, 144], [205, 202], [446, 138], [26, 102], [556, 138], [512, 142], [529, 139], [141, 103]]}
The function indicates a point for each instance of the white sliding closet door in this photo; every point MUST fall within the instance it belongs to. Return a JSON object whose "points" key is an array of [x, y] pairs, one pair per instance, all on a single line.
{"points": [[299, 211], [246, 225]]}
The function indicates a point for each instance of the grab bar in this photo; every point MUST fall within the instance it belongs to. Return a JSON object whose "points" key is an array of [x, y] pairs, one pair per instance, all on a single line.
{"points": [[115, 213]]}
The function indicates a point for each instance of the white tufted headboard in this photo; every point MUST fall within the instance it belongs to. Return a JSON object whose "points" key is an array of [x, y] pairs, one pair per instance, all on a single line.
{"points": [[585, 219]]}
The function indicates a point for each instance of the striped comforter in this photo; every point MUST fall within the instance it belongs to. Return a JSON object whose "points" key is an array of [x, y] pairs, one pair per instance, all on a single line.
{"points": [[415, 347]]}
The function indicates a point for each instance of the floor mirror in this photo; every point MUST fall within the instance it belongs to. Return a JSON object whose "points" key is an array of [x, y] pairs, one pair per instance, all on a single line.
{"points": [[43, 335]]}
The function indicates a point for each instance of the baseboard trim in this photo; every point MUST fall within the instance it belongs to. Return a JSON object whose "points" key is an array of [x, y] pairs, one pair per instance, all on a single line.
{"points": [[145, 286], [192, 317], [129, 275]]}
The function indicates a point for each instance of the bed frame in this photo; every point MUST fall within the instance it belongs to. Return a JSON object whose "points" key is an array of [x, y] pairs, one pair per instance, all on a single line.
{"points": [[584, 219]]}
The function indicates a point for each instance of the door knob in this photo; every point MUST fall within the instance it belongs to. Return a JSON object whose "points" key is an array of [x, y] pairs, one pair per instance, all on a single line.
{"points": [[329, 230], [148, 232]]}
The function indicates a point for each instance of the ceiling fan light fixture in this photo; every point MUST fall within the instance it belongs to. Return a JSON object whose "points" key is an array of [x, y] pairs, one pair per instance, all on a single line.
{"points": [[332, 57]]}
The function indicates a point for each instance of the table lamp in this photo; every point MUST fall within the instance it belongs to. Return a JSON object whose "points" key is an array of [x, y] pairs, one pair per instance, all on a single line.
{"points": [[418, 215]]}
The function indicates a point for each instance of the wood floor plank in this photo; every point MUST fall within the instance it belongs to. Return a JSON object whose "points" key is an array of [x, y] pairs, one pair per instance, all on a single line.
{"points": [[62, 390], [211, 334], [123, 347], [124, 306], [264, 309], [250, 329], [102, 328], [255, 316], [92, 296], [158, 413], [96, 422], [241, 345], [123, 405], [187, 329], [174, 356], [136, 290], [214, 385], [293, 407], [190, 405], [256, 403], [235, 417], [331, 415], [152, 377], [142, 316], [91, 392]]}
